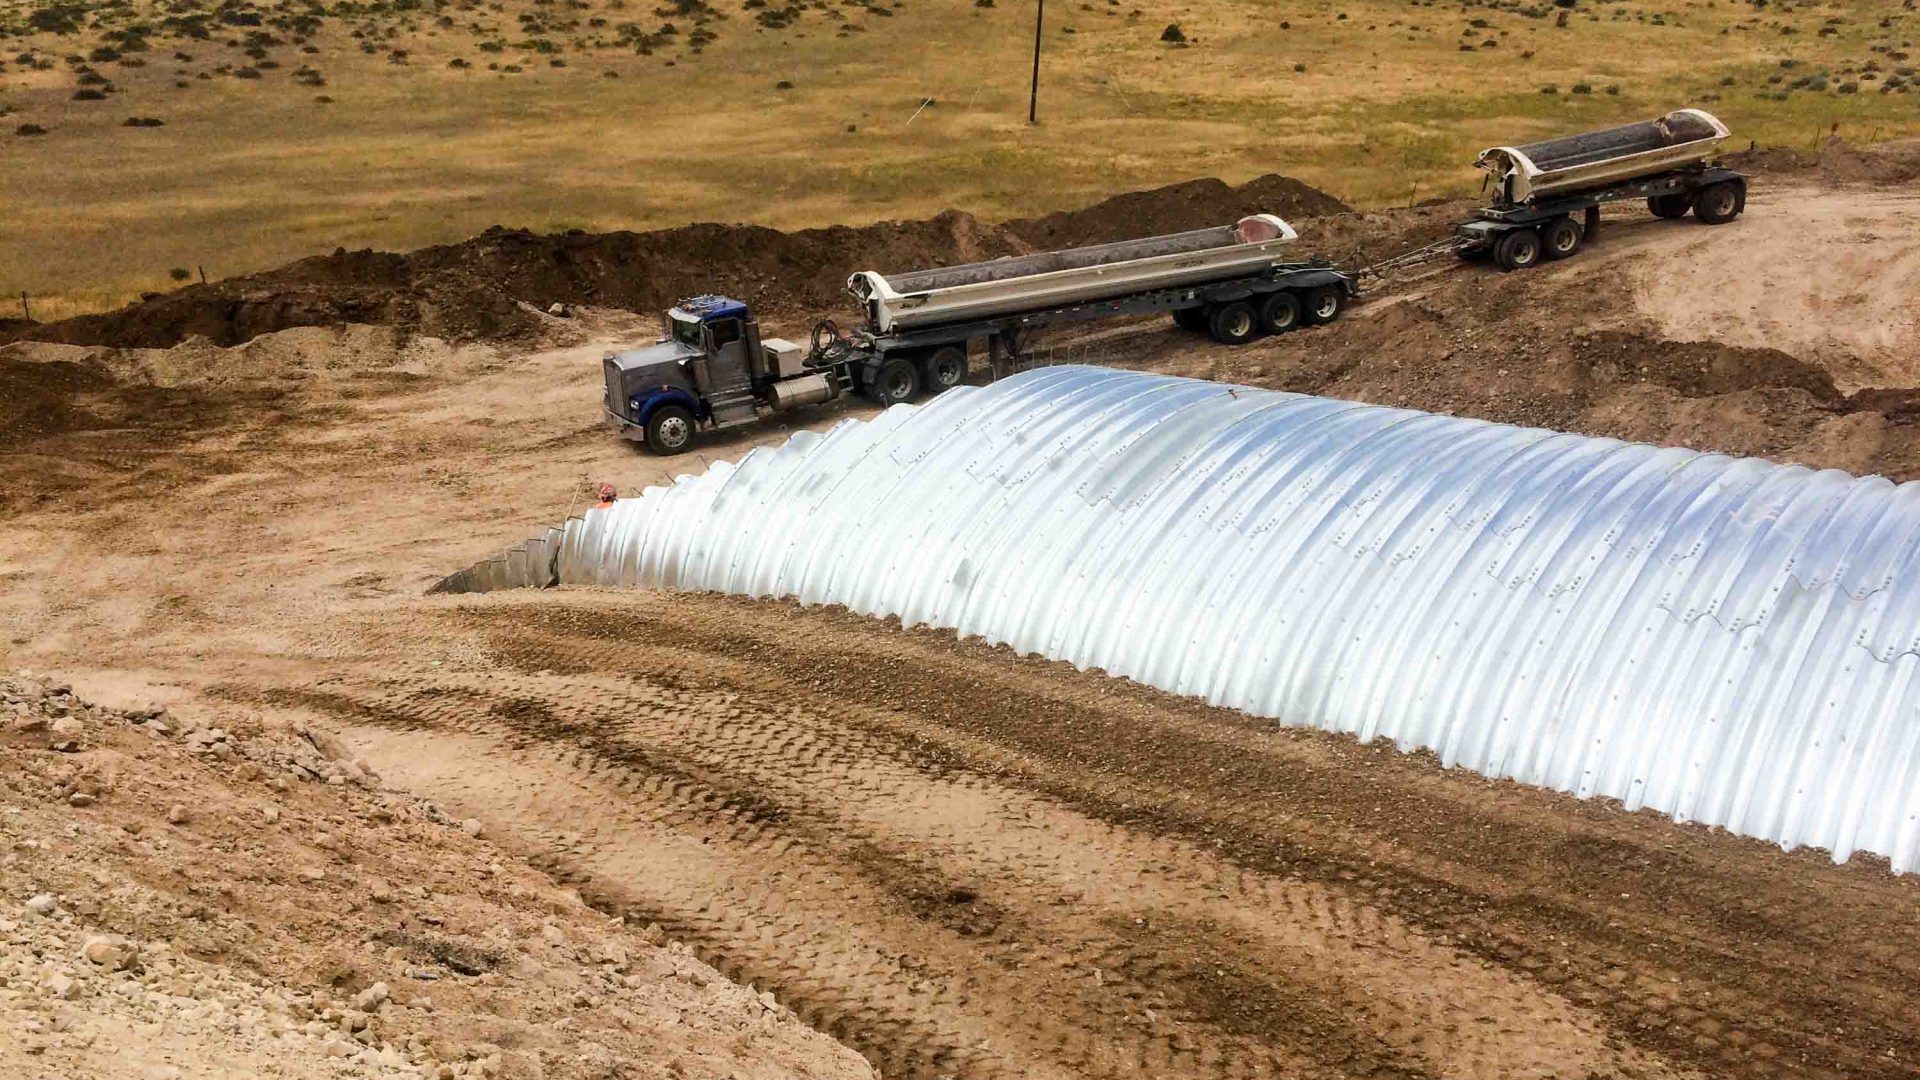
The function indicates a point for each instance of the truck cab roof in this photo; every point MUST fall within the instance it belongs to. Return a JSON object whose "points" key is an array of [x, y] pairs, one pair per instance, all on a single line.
{"points": [[707, 308]]}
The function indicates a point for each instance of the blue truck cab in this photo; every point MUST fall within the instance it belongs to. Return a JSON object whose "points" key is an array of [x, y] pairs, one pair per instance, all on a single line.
{"points": [[710, 368]]}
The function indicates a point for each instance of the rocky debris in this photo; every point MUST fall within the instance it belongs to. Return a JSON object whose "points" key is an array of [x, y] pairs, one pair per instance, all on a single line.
{"points": [[138, 949], [370, 999], [45, 714], [110, 952]]}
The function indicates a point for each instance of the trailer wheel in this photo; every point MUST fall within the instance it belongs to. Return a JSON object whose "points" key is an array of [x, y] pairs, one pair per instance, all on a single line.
{"points": [[1232, 323], [895, 380], [1717, 204], [1672, 207], [1323, 305], [944, 369], [1517, 250], [669, 429], [1560, 238], [1279, 312], [1192, 318]]}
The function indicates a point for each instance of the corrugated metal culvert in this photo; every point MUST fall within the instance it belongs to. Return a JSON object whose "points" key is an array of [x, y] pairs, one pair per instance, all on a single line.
{"points": [[1727, 640]]}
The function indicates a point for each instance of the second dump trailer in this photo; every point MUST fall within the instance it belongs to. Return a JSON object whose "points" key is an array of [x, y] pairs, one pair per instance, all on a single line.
{"points": [[712, 369], [1548, 194], [1604, 158]]}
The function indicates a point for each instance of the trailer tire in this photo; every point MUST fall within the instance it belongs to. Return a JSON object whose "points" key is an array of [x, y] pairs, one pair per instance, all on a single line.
{"points": [[1517, 249], [1561, 238], [1322, 305], [1672, 207], [669, 430], [1279, 312], [943, 369], [1191, 318], [892, 381], [1232, 323], [1717, 204]]}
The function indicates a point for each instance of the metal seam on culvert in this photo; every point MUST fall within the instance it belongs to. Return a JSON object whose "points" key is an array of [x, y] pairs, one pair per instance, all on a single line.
{"points": [[1728, 640]]}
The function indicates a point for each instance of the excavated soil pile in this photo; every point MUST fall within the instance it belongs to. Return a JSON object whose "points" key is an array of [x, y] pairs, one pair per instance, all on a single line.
{"points": [[39, 398], [175, 891], [78, 425], [482, 288], [1196, 204], [1587, 346], [1836, 161]]}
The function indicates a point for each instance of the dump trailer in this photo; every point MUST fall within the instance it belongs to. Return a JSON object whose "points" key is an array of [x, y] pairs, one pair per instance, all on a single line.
{"points": [[1548, 194], [713, 370]]}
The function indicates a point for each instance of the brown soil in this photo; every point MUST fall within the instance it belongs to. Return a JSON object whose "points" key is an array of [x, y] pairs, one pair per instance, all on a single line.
{"points": [[1195, 204], [968, 863], [958, 861], [482, 289], [248, 901], [1836, 162], [1664, 332]]}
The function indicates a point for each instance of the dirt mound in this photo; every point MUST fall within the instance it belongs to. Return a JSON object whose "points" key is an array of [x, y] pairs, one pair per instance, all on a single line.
{"points": [[1836, 161], [482, 289], [39, 398], [181, 887], [1195, 204], [1643, 338]]}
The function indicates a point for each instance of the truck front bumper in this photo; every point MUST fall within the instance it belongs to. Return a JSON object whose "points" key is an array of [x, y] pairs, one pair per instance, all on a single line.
{"points": [[626, 428]]}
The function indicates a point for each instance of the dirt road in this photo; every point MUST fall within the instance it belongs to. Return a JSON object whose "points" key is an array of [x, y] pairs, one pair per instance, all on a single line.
{"points": [[961, 862]]}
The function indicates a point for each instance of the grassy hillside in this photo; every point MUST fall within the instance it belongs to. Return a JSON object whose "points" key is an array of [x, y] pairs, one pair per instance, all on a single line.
{"points": [[293, 126]]}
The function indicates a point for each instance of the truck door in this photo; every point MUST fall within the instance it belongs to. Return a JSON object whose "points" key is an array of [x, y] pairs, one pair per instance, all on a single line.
{"points": [[727, 352]]}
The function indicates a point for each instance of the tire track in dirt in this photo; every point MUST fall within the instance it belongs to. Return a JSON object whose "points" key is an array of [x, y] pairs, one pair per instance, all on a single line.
{"points": [[846, 938], [986, 832], [1150, 953], [1696, 947]]}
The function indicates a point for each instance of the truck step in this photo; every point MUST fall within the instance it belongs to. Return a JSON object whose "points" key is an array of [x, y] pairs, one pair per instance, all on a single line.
{"points": [[733, 413]]}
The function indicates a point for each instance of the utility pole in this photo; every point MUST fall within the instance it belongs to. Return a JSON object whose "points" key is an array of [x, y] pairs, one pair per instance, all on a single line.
{"points": [[1033, 98]]}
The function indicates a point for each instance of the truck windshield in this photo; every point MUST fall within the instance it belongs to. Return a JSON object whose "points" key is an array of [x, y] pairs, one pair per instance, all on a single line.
{"points": [[685, 331]]}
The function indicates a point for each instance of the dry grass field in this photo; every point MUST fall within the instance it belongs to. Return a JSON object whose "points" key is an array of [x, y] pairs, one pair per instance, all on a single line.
{"points": [[288, 127]]}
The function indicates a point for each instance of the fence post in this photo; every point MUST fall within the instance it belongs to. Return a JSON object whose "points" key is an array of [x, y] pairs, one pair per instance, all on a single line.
{"points": [[203, 274], [24, 309]]}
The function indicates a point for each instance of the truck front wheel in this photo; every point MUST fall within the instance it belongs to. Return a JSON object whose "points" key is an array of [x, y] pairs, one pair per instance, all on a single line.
{"points": [[1232, 323], [894, 381], [1717, 204], [945, 369], [669, 429], [1517, 250]]}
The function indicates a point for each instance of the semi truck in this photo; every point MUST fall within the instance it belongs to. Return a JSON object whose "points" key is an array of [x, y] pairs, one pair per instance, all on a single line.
{"points": [[713, 370], [1547, 195]]}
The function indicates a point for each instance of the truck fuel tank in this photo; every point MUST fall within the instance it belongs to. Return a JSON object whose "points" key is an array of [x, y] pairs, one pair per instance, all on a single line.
{"points": [[806, 390]]}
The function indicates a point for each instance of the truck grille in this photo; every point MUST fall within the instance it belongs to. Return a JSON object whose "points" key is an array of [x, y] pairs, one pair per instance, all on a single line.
{"points": [[616, 396]]}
